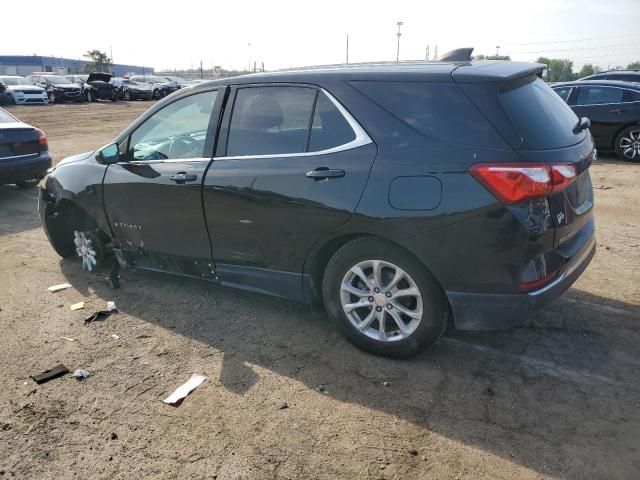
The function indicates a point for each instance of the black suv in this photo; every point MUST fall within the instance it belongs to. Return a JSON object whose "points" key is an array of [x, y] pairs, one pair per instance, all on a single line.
{"points": [[399, 195], [613, 107], [620, 75]]}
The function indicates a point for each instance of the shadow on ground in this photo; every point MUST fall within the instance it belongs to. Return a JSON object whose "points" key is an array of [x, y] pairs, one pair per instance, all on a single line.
{"points": [[559, 396], [18, 209]]}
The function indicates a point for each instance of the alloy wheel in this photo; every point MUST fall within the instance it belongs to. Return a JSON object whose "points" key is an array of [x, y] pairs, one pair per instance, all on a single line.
{"points": [[85, 250], [381, 300], [630, 145]]}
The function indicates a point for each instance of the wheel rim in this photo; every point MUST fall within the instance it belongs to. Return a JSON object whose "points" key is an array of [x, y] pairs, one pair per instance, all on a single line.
{"points": [[52, 98], [85, 250], [630, 145], [381, 300], [127, 96]]}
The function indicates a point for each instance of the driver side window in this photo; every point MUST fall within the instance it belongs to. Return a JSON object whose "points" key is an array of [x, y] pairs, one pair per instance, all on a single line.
{"points": [[178, 131]]}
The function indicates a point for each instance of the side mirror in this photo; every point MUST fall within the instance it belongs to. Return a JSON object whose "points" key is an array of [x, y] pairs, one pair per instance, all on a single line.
{"points": [[108, 155]]}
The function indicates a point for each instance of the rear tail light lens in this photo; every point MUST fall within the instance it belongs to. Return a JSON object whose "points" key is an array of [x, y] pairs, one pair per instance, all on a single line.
{"points": [[517, 182], [42, 138]]}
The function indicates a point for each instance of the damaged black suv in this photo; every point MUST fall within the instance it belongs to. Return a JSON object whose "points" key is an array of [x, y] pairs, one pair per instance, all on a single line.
{"points": [[399, 195]]}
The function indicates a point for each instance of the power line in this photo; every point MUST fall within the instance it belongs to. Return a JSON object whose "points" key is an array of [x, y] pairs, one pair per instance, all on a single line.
{"points": [[574, 49], [576, 40]]}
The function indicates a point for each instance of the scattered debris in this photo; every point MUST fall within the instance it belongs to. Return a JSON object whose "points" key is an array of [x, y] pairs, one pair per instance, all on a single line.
{"points": [[321, 388], [111, 307], [50, 374], [81, 374], [77, 306], [284, 406], [413, 452], [386, 384], [57, 288], [114, 436], [114, 336], [99, 316], [182, 391], [69, 339], [489, 391]]}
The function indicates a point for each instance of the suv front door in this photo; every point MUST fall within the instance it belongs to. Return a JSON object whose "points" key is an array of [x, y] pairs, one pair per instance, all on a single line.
{"points": [[153, 196], [290, 167]]}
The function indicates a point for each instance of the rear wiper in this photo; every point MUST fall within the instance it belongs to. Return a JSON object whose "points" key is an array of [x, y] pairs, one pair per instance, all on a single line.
{"points": [[582, 124]]}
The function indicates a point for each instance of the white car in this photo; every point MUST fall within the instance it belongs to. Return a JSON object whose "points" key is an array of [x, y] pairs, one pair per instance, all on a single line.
{"points": [[22, 91]]}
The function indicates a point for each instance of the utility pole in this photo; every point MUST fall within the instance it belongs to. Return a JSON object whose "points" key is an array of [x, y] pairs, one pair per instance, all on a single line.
{"points": [[399, 34], [435, 53], [249, 47], [347, 61], [201, 73], [497, 50], [426, 56]]}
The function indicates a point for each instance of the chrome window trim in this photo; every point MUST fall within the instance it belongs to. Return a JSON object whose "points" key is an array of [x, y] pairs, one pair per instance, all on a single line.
{"points": [[603, 86], [361, 138]]}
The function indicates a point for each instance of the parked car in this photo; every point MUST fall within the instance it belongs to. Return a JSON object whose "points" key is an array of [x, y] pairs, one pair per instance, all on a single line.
{"points": [[78, 79], [5, 96], [22, 91], [180, 82], [132, 90], [621, 75], [396, 194], [98, 86], [58, 88], [160, 87], [613, 107], [24, 152]]}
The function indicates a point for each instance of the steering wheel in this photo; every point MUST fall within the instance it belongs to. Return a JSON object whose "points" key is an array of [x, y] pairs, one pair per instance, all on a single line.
{"points": [[181, 146]]}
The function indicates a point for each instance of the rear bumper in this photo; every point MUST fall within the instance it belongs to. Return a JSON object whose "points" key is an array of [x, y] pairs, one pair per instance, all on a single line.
{"points": [[481, 311], [17, 169]]}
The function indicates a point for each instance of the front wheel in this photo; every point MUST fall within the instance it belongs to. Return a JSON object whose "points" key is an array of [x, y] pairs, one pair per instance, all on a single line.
{"points": [[127, 96], [382, 300], [52, 97], [628, 144]]}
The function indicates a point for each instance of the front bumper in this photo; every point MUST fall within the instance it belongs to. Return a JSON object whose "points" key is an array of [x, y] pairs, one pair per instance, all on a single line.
{"points": [[28, 167], [491, 311], [35, 98]]}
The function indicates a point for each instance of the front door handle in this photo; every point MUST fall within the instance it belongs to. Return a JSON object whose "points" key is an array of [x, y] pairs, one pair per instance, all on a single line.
{"points": [[615, 110], [323, 173], [183, 177]]}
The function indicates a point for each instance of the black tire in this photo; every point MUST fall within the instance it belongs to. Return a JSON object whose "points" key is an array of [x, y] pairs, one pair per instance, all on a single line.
{"points": [[53, 98], [629, 138], [127, 96], [434, 304], [89, 97]]}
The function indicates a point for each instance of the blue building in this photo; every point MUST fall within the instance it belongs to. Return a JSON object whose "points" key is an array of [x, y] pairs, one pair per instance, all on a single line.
{"points": [[25, 65]]}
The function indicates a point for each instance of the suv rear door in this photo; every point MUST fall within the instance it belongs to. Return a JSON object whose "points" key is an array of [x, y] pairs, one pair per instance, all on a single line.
{"points": [[290, 167], [602, 105]]}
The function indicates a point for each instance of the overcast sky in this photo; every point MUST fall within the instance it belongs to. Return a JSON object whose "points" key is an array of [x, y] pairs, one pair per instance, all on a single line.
{"points": [[179, 34]]}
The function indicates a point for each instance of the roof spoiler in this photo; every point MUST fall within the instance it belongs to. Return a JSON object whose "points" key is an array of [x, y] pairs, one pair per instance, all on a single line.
{"points": [[457, 55]]}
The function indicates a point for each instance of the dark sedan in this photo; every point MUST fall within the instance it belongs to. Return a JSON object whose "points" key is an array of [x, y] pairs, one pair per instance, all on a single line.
{"points": [[132, 90], [614, 110], [24, 152]]}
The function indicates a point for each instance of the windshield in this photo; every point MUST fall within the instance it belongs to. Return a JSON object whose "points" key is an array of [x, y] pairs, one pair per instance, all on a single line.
{"points": [[15, 81], [56, 80]]}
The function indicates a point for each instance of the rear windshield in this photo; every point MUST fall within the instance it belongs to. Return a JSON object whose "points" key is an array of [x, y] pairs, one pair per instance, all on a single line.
{"points": [[541, 117], [437, 110]]}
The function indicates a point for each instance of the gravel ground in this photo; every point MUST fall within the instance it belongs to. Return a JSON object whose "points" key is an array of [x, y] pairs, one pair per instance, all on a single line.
{"points": [[285, 395]]}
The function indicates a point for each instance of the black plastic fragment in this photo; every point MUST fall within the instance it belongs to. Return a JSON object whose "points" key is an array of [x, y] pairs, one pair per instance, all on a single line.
{"points": [[47, 375]]}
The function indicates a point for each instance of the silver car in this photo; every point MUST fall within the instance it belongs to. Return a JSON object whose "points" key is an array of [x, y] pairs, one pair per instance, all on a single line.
{"points": [[22, 91]]}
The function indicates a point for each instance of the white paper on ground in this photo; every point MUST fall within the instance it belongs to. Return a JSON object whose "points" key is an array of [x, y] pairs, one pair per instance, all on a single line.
{"points": [[111, 306], [183, 390], [57, 288]]}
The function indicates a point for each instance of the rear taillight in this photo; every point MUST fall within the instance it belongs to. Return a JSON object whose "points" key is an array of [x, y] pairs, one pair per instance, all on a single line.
{"points": [[517, 182], [42, 138]]}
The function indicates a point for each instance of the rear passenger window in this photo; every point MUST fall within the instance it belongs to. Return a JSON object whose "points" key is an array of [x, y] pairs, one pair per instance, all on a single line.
{"points": [[631, 96], [598, 95], [437, 110], [329, 128], [270, 120]]}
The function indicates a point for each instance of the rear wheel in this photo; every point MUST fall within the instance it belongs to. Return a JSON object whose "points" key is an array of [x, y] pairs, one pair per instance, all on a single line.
{"points": [[382, 299], [127, 95], [628, 144]]}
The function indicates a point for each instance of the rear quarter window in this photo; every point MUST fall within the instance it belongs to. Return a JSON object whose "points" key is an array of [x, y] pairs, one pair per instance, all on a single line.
{"points": [[542, 118], [436, 110]]}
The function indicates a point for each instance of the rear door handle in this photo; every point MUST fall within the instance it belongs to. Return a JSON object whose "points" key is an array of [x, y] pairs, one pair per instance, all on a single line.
{"points": [[323, 173], [615, 110], [183, 177]]}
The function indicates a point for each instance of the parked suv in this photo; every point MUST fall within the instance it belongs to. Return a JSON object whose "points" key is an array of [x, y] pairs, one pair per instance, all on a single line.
{"points": [[613, 107], [59, 88], [160, 86], [620, 75], [399, 195], [22, 91]]}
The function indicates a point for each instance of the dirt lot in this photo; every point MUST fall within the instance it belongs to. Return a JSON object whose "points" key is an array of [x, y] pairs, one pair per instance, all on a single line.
{"points": [[558, 399]]}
